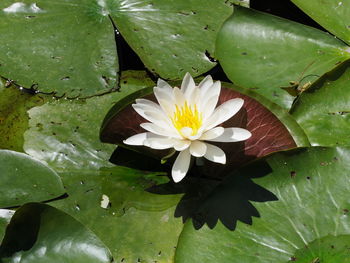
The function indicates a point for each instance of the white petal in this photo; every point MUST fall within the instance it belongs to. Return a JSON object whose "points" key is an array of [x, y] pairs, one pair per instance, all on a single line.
{"points": [[210, 100], [164, 98], [215, 154], [194, 98], [140, 108], [186, 132], [198, 148], [181, 145], [164, 85], [147, 106], [148, 103], [206, 83], [154, 116], [163, 93], [192, 137], [232, 135], [224, 112], [160, 130], [212, 134], [187, 85], [179, 98], [167, 106], [181, 165], [137, 139], [159, 143]]}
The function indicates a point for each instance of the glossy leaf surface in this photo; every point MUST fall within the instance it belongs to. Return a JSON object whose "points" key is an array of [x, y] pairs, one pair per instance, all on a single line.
{"points": [[64, 133], [206, 202], [14, 105], [59, 34], [24, 179], [264, 53], [5, 217], [332, 15], [134, 224], [312, 186], [65, 47], [41, 233], [171, 37], [324, 111], [330, 249]]}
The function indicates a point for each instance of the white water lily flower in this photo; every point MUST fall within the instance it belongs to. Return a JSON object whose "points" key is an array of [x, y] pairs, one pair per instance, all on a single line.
{"points": [[185, 119]]}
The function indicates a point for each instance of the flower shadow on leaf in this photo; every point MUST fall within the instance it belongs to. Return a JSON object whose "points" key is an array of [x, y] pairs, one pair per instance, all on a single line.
{"points": [[207, 201], [135, 160]]}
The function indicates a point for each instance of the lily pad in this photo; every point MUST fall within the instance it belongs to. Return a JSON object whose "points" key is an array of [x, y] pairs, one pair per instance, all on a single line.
{"points": [[134, 224], [41, 233], [328, 249], [208, 201], [332, 15], [64, 133], [171, 37], [25, 179], [269, 133], [312, 187], [264, 53], [14, 104], [323, 111], [5, 217], [47, 43]]}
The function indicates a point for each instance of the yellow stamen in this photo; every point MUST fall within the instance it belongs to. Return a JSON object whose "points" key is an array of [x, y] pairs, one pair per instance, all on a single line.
{"points": [[187, 116]]}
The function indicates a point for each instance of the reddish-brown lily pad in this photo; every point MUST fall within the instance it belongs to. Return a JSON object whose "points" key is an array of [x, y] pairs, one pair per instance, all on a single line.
{"points": [[272, 128]]}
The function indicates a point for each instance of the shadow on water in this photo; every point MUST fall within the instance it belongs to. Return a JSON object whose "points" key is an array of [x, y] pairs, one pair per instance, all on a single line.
{"points": [[206, 201]]}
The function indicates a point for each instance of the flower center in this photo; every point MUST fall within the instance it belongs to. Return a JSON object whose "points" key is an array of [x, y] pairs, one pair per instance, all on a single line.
{"points": [[187, 116]]}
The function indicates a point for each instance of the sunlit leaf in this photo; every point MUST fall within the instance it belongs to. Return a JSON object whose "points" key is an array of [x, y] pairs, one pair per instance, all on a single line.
{"points": [[41, 233], [24, 179], [311, 214], [134, 224], [264, 53], [324, 111], [62, 47], [332, 15]]}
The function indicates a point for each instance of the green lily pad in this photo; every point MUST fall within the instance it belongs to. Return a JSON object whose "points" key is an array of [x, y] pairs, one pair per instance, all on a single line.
{"points": [[24, 179], [41, 233], [133, 223], [14, 105], [171, 37], [5, 217], [328, 249], [264, 53], [59, 35], [208, 201], [324, 111], [312, 186], [332, 15], [65, 133], [61, 47]]}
